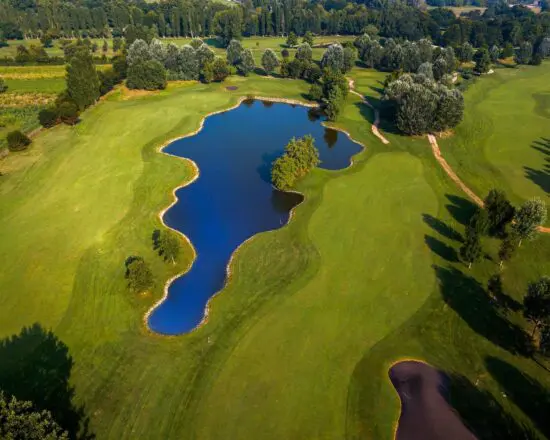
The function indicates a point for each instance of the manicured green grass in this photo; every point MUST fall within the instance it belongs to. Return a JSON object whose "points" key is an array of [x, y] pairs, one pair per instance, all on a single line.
{"points": [[503, 141], [39, 85], [298, 344]]}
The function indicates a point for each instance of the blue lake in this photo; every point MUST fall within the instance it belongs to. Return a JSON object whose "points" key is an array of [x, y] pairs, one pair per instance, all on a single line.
{"points": [[233, 199]]}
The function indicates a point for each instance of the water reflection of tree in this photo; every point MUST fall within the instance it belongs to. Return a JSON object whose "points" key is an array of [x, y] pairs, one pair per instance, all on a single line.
{"points": [[330, 137], [35, 365], [283, 202]]}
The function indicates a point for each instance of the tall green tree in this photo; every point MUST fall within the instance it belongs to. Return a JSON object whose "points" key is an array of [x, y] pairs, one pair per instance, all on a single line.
{"points": [[524, 53], [138, 274], [304, 53], [308, 38], [333, 58], [507, 248], [292, 40], [482, 60], [499, 209], [246, 63], [471, 250], [234, 52], [536, 304], [528, 218], [20, 420], [82, 79], [270, 61], [228, 24]]}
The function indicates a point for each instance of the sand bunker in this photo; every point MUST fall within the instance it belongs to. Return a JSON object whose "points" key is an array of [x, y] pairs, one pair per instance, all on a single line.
{"points": [[425, 414]]}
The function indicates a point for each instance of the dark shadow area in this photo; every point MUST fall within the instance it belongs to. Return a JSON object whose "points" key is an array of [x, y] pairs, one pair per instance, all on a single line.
{"points": [[264, 170], [214, 42], [133, 258], [541, 177], [267, 104], [526, 392], [442, 228], [443, 250], [468, 298], [285, 201], [482, 414], [501, 299], [155, 238], [460, 208], [35, 365], [330, 137], [314, 114]]}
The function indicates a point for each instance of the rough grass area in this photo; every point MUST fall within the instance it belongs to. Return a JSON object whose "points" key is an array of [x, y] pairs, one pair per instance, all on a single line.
{"points": [[504, 140], [299, 343]]}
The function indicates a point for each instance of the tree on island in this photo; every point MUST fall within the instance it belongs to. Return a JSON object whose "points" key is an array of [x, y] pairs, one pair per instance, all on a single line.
{"points": [[536, 304], [82, 79], [528, 218], [138, 274], [270, 61], [471, 250], [299, 158], [20, 420]]}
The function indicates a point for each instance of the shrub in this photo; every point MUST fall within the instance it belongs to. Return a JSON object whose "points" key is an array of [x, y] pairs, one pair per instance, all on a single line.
{"points": [[18, 141], [147, 75], [67, 111], [47, 117], [108, 79], [138, 274], [3, 86], [220, 69]]}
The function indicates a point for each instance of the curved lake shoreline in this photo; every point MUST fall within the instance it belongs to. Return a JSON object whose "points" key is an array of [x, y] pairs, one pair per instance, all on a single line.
{"points": [[425, 413], [232, 160]]}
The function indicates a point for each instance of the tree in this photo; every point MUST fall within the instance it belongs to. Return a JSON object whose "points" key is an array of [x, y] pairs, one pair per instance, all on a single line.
{"points": [[138, 274], [82, 79], [299, 158], [285, 53], [528, 218], [334, 103], [117, 44], [507, 248], [471, 250], [138, 52], [67, 111], [466, 52], [479, 222], [426, 70], [536, 304], [47, 117], [246, 64], [372, 53], [46, 40], [333, 58], [228, 24], [187, 65], [291, 40], [20, 420], [105, 47], [167, 244], [315, 92], [220, 69], [17, 140], [148, 75], [499, 209], [304, 53], [234, 52], [3, 86], [270, 61], [350, 55], [544, 47], [196, 43], [204, 55], [482, 60], [524, 53], [157, 51], [425, 48], [308, 38], [439, 68]]}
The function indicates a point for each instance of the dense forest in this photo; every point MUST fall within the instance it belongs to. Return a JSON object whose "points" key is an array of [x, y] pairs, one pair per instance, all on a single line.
{"points": [[499, 25]]}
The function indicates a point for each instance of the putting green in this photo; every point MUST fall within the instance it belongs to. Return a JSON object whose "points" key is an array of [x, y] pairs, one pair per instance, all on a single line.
{"points": [[503, 141]]}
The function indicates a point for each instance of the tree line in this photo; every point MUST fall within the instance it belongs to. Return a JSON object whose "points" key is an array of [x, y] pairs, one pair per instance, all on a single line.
{"points": [[499, 25]]}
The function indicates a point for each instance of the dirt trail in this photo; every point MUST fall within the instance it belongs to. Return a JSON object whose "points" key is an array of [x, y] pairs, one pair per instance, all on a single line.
{"points": [[456, 179], [374, 126]]}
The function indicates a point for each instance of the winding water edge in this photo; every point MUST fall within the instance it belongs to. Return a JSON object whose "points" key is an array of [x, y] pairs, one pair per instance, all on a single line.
{"points": [[251, 135]]}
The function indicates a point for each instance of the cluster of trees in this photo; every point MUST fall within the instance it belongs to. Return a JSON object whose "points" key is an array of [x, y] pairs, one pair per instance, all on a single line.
{"points": [[499, 218], [150, 65], [422, 105], [299, 158], [536, 309], [21, 420], [17, 140], [138, 272], [499, 25]]}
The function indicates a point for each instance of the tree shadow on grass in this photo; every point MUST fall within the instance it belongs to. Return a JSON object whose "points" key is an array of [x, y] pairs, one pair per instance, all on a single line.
{"points": [[443, 250], [526, 392], [466, 296], [482, 414], [541, 177], [35, 365], [460, 208], [441, 227]]}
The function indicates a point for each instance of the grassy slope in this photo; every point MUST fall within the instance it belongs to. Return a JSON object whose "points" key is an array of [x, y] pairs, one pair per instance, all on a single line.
{"points": [[298, 344], [498, 143]]}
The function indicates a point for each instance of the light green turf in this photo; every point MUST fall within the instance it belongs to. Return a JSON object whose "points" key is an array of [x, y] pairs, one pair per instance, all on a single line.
{"points": [[298, 344], [498, 143], [40, 85]]}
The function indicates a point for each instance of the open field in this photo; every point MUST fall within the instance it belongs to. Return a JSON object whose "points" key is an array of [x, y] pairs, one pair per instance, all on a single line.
{"points": [[458, 10], [299, 343], [504, 139]]}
